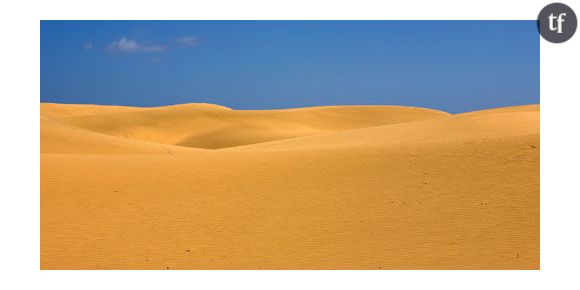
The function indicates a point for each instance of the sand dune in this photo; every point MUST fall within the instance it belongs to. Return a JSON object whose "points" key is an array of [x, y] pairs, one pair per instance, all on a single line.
{"points": [[56, 137], [210, 126], [452, 129], [71, 110], [201, 186]]}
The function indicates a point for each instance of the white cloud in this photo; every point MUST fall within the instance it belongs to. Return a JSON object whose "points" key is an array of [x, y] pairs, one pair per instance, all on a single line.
{"points": [[88, 46], [188, 40], [130, 45]]}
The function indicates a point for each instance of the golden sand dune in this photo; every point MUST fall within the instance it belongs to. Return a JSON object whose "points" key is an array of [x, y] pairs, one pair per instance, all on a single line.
{"points": [[56, 137], [71, 110], [516, 109], [451, 129], [370, 187], [210, 126]]}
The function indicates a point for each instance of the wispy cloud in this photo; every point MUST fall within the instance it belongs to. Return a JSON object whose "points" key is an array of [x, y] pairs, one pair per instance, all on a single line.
{"points": [[88, 46], [132, 46], [128, 45], [187, 40]]}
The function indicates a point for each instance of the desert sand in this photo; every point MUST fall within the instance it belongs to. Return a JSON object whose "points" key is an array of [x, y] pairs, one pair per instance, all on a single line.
{"points": [[201, 186]]}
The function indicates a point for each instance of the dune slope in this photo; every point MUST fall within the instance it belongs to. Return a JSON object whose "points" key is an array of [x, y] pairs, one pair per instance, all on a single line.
{"points": [[313, 188], [56, 137], [209, 126]]}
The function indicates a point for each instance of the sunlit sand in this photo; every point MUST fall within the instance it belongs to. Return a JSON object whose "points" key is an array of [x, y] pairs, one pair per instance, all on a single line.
{"points": [[201, 186]]}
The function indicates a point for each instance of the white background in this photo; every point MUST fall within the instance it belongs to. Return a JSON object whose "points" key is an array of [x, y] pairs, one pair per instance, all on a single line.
{"points": [[19, 141]]}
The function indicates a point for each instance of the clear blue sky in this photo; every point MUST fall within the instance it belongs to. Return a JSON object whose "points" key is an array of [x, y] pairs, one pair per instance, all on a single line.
{"points": [[454, 66]]}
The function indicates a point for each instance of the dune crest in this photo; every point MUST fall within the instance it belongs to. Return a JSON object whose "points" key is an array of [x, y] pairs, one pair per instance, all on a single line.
{"points": [[214, 127]]}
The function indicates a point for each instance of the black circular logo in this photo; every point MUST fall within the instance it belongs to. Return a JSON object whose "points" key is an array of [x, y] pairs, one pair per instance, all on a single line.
{"points": [[557, 22]]}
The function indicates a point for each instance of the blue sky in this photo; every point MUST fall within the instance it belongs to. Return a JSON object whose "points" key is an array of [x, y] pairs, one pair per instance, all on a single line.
{"points": [[455, 66]]}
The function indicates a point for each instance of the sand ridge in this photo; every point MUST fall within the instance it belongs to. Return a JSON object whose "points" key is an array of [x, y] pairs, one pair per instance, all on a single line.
{"points": [[213, 127], [348, 187]]}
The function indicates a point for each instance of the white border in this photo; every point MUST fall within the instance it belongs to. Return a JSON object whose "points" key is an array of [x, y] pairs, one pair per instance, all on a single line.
{"points": [[19, 189]]}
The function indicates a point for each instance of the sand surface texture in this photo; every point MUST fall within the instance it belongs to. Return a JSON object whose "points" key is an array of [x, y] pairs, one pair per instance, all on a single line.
{"points": [[201, 186]]}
